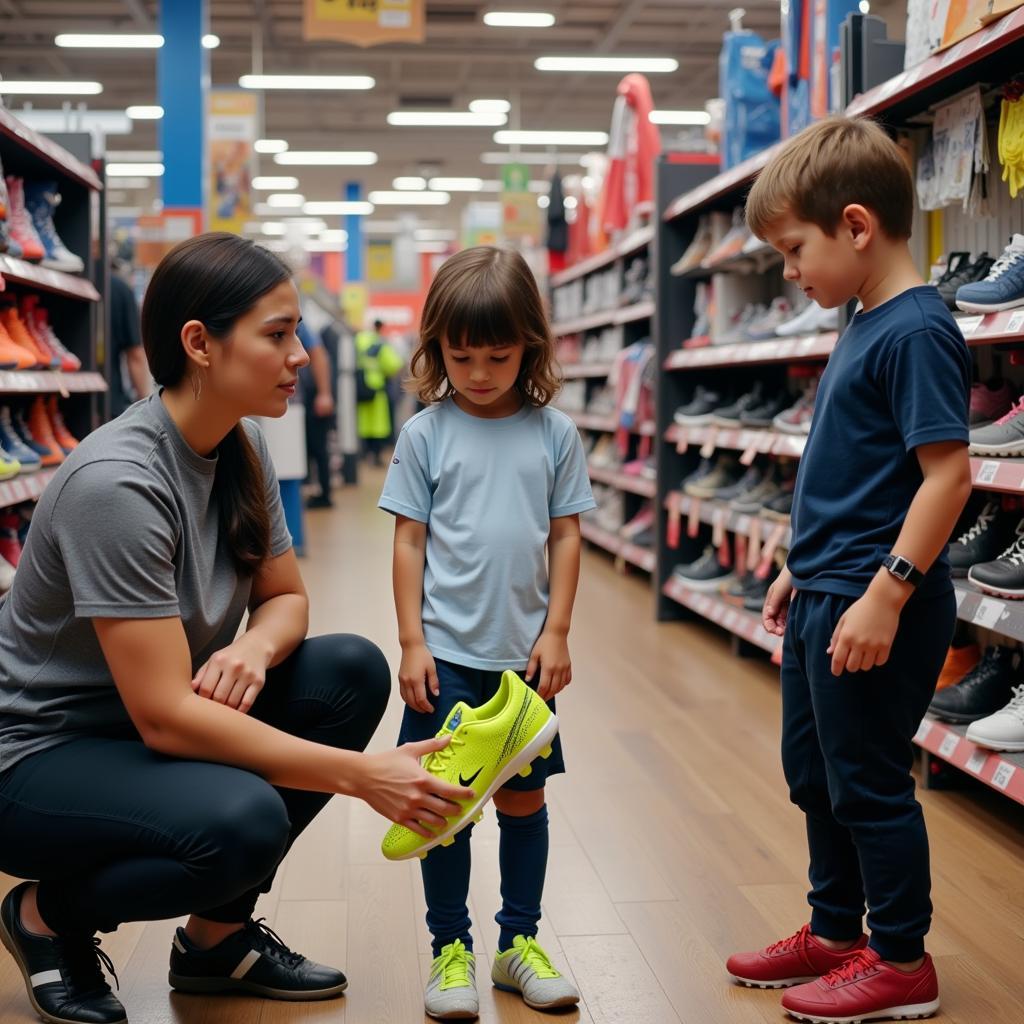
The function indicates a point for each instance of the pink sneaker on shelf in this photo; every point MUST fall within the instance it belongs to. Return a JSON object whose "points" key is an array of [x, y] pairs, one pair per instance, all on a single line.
{"points": [[989, 404]]}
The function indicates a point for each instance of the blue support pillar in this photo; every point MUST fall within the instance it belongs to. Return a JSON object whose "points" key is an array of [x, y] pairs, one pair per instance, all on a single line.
{"points": [[354, 227]]}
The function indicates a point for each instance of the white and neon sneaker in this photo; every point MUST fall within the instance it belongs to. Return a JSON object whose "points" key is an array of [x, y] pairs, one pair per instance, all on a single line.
{"points": [[526, 969], [451, 989]]}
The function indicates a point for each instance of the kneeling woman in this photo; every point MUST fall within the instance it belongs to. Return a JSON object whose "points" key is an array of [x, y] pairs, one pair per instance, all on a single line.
{"points": [[151, 764]]}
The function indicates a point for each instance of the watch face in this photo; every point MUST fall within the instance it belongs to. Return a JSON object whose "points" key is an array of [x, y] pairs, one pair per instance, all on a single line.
{"points": [[901, 567]]}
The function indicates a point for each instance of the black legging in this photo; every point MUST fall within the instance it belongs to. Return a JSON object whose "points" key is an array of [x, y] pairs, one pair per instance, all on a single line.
{"points": [[116, 832]]}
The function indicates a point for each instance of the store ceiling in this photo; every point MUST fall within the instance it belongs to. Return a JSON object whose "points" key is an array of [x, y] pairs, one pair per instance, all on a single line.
{"points": [[461, 60]]}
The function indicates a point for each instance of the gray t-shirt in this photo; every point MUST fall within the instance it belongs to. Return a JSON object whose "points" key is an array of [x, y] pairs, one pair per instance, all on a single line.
{"points": [[127, 529]]}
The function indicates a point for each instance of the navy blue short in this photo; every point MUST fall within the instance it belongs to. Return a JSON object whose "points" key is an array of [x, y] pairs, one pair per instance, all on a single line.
{"points": [[474, 686]]}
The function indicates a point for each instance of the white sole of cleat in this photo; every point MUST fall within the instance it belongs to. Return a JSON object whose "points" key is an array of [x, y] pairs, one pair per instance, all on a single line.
{"points": [[539, 746], [781, 983], [913, 1011]]}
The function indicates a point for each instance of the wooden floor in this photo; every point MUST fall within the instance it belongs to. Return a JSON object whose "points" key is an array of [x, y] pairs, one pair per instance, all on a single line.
{"points": [[673, 842]]}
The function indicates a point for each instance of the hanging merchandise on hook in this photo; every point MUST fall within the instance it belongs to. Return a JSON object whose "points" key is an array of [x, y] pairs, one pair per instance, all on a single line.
{"points": [[1010, 144]]}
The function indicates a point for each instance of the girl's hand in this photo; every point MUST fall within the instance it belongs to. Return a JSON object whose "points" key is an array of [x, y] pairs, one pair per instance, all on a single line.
{"points": [[235, 675], [551, 653], [776, 603], [416, 674], [394, 785]]}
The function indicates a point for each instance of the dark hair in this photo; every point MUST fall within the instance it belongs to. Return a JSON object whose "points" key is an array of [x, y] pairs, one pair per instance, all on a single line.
{"points": [[216, 279], [485, 296], [378, 324]]}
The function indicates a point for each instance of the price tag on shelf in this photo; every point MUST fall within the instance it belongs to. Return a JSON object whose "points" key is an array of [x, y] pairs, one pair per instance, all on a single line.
{"points": [[1003, 774], [976, 761], [682, 439], [988, 612], [710, 443], [693, 523], [754, 544], [923, 730], [987, 472], [718, 517], [948, 745], [1016, 322], [969, 324], [674, 527]]}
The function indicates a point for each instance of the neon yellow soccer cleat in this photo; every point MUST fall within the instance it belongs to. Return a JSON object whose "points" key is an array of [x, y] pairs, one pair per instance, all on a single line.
{"points": [[489, 745]]}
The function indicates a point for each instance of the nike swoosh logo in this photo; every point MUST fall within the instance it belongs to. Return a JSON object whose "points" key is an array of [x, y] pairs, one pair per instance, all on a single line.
{"points": [[463, 781]]}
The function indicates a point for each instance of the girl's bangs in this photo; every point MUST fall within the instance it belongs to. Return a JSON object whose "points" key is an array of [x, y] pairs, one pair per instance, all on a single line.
{"points": [[482, 319]]}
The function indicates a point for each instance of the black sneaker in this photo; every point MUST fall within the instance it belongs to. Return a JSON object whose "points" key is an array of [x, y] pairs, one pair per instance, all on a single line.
{"points": [[730, 415], [963, 273], [750, 479], [63, 975], [984, 541], [1003, 576], [762, 415], [986, 689], [699, 409], [780, 507], [707, 574], [252, 960]]}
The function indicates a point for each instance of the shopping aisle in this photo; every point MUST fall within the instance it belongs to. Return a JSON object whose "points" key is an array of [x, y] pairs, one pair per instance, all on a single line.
{"points": [[673, 842]]}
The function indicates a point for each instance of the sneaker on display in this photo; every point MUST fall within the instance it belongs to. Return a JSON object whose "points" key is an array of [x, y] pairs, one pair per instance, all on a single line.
{"points": [[959, 661], [791, 961], [986, 538], [753, 600], [527, 969], [489, 745], [706, 575], [1003, 576], [751, 501], [746, 483], [699, 409], [725, 473], [42, 430], [10, 467], [780, 507], [797, 418], [736, 332], [21, 428], [762, 415], [41, 200], [13, 445], [730, 415], [22, 230], [812, 320], [1003, 286], [69, 362], [451, 988], [67, 441], [1005, 729], [12, 355], [16, 330], [983, 690], [965, 273], [733, 242], [989, 402], [1002, 438], [763, 327], [956, 263]]}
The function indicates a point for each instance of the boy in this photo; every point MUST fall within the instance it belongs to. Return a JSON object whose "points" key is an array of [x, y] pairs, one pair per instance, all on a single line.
{"points": [[883, 479]]}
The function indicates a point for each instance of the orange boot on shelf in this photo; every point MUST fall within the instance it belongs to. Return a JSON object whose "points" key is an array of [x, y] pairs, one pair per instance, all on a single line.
{"points": [[25, 306], [20, 333], [959, 661], [41, 429], [67, 441], [12, 355], [69, 362], [20, 222]]}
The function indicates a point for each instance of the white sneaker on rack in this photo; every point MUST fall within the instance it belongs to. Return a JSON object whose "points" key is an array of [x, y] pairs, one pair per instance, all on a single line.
{"points": [[1005, 729], [813, 320]]}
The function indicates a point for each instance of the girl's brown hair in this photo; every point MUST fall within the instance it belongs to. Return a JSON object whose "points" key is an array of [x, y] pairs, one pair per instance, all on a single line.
{"points": [[485, 296]]}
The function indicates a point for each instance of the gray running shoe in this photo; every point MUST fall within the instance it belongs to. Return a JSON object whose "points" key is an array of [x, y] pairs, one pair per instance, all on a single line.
{"points": [[451, 990], [525, 968], [1004, 437], [724, 474]]}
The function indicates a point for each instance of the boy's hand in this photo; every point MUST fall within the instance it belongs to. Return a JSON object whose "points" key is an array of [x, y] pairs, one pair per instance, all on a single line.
{"points": [[551, 654], [863, 636], [776, 603], [416, 674]]}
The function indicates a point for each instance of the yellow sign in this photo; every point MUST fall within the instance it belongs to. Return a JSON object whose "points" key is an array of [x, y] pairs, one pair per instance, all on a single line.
{"points": [[231, 130], [380, 262], [354, 299], [365, 22]]}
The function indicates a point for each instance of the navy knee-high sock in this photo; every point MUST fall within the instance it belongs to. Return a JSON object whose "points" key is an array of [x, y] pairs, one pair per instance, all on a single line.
{"points": [[446, 888], [523, 859]]}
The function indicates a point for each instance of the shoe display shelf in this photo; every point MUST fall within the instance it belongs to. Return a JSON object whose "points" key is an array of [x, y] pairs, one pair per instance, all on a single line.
{"points": [[718, 514], [612, 317], [752, 442], [1003, 617], [73, 302], [641, 485], [993, 328], [642, 558], [738, 621], [754, 261], [609, 424], [634, 242], [1003, 475], [784, 350], [573, 371]]}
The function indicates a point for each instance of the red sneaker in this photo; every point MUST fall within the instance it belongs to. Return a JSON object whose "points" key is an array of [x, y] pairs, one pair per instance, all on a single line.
{"points": [[865, 988], [790, 961]]}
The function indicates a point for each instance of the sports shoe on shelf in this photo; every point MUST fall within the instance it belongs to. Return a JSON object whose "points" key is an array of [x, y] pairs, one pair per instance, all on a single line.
{"points": [[10, 466], [69, 362], [736, 331], [724, 473], [964, 273], [489, 745], [797, 418], [1004, 437], [779, 508], [746, 483], [12, 355], [16, 330], [989, 402], [699, 410], [42, 430], [791, 961], [67, 441], [763, 327], [730, 415], [811, 320], [527, 969], [866, 988], [753, 599], [942, 272], [1003, 576], [761, 416], [20, 424], [732, 244], [1003, 286], [751, 501], [959, 661], [451, 988], [706, 575], [253, 960], [21, 228], [983, 690], [1005, 729], [41, 199], [987, 537], [14, 447]]}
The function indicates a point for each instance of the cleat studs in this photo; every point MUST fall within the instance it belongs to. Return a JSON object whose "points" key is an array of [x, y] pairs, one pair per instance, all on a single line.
{"points": [[525, 772], [546, 752], [478, 818], [449, 841]]}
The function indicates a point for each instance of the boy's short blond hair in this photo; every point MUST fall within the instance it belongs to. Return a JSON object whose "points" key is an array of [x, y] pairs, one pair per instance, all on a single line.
{"points": [[829, 166]]}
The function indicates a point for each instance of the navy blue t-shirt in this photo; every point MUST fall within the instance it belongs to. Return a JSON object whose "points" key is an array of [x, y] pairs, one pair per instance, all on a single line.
{"points": [[899, 377]]}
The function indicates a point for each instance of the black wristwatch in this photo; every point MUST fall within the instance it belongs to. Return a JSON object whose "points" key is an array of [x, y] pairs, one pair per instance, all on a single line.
{"points": [[903, 569]]}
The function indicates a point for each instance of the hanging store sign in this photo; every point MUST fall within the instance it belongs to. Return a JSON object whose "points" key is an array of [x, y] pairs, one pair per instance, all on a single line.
{"points": [[520, 214], [231, 126], [365, 22]]}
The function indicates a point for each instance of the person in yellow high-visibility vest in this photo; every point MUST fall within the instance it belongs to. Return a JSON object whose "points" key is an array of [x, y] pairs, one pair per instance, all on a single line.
{"points": [[376, 363]]}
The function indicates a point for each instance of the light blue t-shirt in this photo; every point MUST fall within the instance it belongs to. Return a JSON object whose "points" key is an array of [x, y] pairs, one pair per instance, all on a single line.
{"points": [[487, 490]]}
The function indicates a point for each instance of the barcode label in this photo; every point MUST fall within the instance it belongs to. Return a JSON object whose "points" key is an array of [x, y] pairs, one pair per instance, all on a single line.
{"points": [[1003, 774]]}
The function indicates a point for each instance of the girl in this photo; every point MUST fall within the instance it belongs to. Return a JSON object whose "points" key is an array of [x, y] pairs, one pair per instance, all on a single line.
{"points": [[482, 481], [152, 762]]}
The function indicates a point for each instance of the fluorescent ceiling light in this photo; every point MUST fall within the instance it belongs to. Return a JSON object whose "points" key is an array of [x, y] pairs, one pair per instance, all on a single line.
{"points": [[490, 106], [314, 245], [144, 113], [445, 119], [145, 156], [519, 19], [534, 159], [517, 138], [269, 227], [286, 200], [9, 87], [339, 207], [270, 145], [132, 183], [275, 244], [570, 202], [382, 227], [109, 41], [409, 198], [680, 117], [432, 247], [210, 41], [335, 235], [543, 202], [124, 211], [305, 225], [326, 158], [434, 235], [457, 184], [621, 65], [306, 82], [264, 210], [153, 170], [270, 182], [409, 183]]}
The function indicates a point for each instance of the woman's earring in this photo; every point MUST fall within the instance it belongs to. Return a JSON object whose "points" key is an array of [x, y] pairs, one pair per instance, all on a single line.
{"points": [[197, 384]]}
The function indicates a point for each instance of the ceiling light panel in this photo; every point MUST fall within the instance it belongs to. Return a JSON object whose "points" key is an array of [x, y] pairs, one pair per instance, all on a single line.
{"points": [[274, 183], [618, 65], [409, 198], [108, 41], [270, 145], [145, 113], [519, 19], [286, 201], [338, 207], [326, 158], [445, 119], [680, 117], [527, 138], [310, 82], [490, 106], [13, 87], [153, 170], [457, 184], [409, 183]]}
